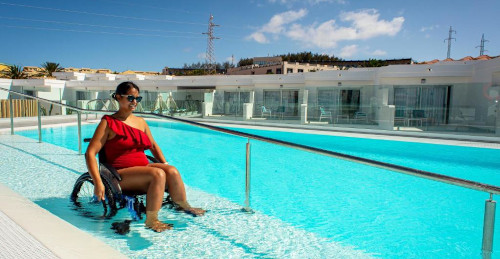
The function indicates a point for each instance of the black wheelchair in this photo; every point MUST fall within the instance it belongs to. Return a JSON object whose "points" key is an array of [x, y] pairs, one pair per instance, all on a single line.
{"points": [[115, 199]]}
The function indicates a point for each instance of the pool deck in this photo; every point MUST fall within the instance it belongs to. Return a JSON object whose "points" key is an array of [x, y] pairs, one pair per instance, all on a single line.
{"points": [[29, 231], [51, 237]]}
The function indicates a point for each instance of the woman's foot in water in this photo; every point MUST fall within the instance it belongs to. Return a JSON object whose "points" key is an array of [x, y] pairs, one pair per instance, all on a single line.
{"points": [[154, 224], [186, 208], [158, 226]]}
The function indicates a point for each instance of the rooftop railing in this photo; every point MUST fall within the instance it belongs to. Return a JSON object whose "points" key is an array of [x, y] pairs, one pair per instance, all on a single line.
{"points": [[490, 205]]}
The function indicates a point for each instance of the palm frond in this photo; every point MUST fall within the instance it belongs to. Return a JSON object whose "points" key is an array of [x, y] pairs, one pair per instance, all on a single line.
{"points": [[51, 67]]}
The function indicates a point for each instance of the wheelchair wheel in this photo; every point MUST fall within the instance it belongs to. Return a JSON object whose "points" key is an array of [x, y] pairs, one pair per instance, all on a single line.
{"points": [[83, 198]]}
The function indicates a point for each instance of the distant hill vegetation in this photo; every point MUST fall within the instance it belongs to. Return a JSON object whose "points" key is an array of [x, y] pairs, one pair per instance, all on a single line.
{"points": [[302, 57], [323, 59]]}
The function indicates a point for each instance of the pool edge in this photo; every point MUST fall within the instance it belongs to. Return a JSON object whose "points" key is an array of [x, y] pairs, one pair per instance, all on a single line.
{"points": [[59, 236]]}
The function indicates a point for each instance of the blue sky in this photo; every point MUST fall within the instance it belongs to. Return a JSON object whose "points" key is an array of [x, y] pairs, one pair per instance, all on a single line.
{"points": [[151, 34]]}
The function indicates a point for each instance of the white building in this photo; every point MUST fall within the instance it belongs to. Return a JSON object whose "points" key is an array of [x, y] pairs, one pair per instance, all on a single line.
{"points": [[444, 96]]}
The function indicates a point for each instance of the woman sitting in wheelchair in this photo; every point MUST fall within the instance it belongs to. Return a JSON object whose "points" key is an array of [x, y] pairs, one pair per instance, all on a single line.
{"points": [[125, 137]]}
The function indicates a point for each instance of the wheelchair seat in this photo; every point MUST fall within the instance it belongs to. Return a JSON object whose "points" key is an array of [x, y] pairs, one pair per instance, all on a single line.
{"points": [[115, 198]]}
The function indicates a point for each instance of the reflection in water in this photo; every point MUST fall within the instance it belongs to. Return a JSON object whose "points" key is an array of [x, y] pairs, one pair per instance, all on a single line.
{"points": [[90, 219]]}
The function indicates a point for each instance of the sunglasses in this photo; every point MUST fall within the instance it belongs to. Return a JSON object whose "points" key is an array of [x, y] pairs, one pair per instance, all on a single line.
{"points": [[131, 98]]}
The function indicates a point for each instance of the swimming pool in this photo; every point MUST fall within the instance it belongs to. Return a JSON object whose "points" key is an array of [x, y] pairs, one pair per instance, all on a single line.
{"points": [[383, 213]]}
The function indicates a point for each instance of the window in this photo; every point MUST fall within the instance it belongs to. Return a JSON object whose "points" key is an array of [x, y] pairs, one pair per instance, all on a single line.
{"points": [[278, 70], [349, 101], [289, 70], [81, 95], [29, 92], [300, 70], [329, 99], [269, 71], [433, 100], [285, 102], [233, 102]]}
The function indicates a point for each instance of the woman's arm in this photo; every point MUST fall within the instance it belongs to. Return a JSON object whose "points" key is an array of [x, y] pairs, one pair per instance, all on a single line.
{"points": [[95, 145], [155, 148]]}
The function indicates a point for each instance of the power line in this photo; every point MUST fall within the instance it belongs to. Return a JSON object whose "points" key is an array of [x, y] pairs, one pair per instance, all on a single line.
{"points": [[149, 6], [99, 32], [94, 25], [100, 14], [169, 9]]}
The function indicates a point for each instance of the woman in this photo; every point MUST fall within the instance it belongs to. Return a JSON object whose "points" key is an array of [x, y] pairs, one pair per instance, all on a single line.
{"points": [[125, 137]]}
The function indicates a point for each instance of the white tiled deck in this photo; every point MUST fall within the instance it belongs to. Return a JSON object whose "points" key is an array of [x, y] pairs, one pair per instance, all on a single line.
{"points": [[28, 231], [15, 242]]}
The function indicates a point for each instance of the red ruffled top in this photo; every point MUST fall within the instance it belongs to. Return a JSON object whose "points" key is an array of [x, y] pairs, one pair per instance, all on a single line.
{"points": [[126, 149]]}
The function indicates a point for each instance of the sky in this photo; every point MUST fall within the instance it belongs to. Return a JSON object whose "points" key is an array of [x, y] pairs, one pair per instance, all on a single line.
{"points": [[148, 35]]}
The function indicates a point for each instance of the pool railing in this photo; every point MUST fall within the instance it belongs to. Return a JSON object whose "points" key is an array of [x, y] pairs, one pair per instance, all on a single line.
{"points": [[490, 204]]}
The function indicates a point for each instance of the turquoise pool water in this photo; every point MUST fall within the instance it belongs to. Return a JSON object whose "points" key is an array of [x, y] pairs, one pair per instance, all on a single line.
{"points": [[384, 213]]}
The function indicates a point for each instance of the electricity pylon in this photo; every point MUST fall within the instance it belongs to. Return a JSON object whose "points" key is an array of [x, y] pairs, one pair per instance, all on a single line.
{"points": [[211, 66]]}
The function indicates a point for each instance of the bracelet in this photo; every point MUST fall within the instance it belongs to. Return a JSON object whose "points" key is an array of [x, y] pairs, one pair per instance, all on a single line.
{"points": [[166, 163]]}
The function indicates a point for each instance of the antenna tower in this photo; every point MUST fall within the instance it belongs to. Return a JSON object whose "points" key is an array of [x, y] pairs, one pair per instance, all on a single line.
{"points": [[449, 41], [481, 47], [210, 57]]}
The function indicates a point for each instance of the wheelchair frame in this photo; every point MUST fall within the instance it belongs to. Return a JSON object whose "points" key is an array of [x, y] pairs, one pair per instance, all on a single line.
{"points": [[115, 198]]}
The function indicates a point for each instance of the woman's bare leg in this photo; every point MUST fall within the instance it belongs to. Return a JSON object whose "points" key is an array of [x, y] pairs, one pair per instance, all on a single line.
{"points": [[151, 181], [176, 188]]}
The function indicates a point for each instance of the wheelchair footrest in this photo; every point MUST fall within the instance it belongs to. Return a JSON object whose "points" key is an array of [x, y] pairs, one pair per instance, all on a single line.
{"points": [[132, 207]]}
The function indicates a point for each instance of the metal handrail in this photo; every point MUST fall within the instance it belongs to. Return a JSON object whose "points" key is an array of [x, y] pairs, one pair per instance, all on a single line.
{"points": [[392, 167], [490, 206]]}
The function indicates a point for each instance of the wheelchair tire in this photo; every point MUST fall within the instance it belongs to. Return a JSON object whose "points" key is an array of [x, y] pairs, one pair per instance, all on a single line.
{"points": [[83, 197]]}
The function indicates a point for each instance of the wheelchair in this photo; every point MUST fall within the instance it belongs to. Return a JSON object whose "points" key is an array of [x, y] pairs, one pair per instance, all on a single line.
{"points": [[115, 199]]}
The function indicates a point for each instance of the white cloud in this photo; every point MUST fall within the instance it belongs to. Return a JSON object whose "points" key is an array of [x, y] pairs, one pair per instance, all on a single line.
{"points": [[258, 37], [364, 24], [348, 51], [379, 52], [202, 55], [229, 59], [325, 35], [367, 24], [314, 2], [187, 49], [276, 25], [311, 2], [429, 28], [278, 21]]}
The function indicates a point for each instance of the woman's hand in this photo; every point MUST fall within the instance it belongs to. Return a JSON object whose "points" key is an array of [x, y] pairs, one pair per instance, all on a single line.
{"points": [[99, 191]]}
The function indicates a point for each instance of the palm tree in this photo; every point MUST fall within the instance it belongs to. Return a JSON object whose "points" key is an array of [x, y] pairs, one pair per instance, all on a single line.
{"points": [[50, 67], [15, 72]]}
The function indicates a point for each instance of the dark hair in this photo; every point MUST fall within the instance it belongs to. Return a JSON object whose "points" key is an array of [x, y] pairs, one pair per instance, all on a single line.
{"points": [[123, 88]]}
